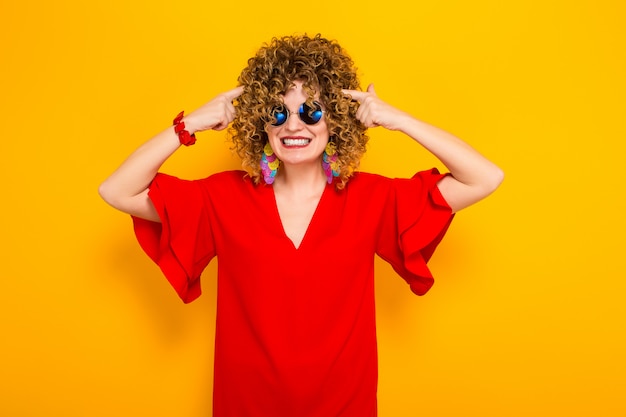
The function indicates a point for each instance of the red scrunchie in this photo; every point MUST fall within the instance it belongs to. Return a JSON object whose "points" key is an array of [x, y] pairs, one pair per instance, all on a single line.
{"points": [[179, 127]]}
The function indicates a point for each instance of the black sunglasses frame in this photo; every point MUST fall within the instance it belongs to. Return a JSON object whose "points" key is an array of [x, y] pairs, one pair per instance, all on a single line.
{"points": [[309, 115]]}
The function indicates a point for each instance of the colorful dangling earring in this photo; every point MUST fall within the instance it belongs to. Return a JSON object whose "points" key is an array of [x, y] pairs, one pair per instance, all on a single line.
{"points": [[329, 162], [269, 164]]}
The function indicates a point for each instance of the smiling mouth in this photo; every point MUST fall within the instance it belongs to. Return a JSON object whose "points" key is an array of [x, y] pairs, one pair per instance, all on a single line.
{"points": [[295, 141]]}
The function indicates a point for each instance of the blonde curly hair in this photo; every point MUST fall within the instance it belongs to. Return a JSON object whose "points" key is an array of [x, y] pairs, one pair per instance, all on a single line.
{"points": [[323, 67]]}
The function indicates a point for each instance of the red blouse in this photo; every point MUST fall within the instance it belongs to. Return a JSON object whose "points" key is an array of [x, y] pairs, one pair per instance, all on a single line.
{"points": [[295, 332]]}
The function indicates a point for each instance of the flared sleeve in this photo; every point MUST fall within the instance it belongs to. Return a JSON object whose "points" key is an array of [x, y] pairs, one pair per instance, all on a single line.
{"points": [[182, 244], [415, 219]]}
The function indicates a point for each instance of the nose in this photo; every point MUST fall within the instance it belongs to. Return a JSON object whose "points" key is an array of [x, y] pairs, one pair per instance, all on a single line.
{"points": [[293, 122]]}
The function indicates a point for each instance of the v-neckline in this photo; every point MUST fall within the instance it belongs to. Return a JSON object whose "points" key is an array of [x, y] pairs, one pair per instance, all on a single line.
{"points": [[307, 232]]}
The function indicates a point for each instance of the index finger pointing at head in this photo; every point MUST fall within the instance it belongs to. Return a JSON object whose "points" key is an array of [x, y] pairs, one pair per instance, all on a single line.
{"points": [[234, 93], [355, 94]]}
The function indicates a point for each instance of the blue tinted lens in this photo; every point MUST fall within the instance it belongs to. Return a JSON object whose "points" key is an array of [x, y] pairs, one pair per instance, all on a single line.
{"points": [[280, 114], [310, 115]]}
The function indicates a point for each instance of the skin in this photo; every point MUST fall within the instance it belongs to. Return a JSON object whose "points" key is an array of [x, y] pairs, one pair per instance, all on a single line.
{"points": [[127, 187], [298, 157], [300, 182], [473, 176]]}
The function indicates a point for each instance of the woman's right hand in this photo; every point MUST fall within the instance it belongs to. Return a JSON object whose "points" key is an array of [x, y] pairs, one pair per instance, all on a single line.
{"points": [[126, 188], [216, 114]]}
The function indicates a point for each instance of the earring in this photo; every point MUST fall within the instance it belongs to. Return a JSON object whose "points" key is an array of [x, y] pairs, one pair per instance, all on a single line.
{"points": [[269, 164], [329, 162]]}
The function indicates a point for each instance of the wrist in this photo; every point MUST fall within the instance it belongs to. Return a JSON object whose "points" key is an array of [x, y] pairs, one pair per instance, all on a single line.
{"points": [[403, 122], [191, 124], [185, 136]]}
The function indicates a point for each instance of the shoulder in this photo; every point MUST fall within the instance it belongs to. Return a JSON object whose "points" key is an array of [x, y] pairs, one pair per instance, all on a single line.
{"points": [[364, 179], [367, 179], [365, 186], [231, 186], [422, 181], [226, 179]]}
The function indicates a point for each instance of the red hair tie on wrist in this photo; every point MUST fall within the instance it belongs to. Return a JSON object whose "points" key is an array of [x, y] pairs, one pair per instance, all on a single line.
{"points": [[179, 127]]}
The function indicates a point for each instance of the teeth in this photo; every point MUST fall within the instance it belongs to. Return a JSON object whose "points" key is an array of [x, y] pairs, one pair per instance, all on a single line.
{"points": [[296, 142]]}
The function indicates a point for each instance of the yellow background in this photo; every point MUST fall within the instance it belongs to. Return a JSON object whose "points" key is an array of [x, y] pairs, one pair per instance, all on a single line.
{"points": [[527, 315]]}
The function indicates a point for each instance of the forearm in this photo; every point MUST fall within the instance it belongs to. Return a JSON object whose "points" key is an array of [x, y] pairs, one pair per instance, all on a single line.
{"points": [[465, 164], [127, 188], [473, 176], [134, 175]]}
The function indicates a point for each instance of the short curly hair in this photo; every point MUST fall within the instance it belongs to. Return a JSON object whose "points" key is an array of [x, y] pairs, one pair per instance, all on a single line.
{"points": [[323, 67]]}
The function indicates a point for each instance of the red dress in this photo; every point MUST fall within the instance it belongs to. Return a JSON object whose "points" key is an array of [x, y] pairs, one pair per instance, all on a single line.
{"points": [[295, 332]]}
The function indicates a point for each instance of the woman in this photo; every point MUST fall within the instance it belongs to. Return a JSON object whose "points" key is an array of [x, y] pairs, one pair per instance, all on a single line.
{"points": [[296, 233]]}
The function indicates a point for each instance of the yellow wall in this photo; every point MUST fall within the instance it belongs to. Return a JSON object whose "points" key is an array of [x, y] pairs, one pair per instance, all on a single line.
{"points": [[527, 316]]}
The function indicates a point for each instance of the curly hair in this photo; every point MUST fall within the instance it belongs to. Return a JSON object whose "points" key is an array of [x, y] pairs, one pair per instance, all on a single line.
{"points": [[324, 68]]}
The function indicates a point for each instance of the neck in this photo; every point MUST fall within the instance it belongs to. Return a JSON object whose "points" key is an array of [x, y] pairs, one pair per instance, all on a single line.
{"points": [[301, 179]]}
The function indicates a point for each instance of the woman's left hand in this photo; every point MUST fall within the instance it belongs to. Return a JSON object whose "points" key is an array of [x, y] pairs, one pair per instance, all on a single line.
{"points": [[473, 176], [374, 112]]}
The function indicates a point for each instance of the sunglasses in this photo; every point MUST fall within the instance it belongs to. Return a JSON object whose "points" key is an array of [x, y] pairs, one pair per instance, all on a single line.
{"points": [[310, 115]]}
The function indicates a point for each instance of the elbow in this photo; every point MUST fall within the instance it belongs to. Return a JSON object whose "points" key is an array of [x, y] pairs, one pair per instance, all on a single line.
{"points": [[492, 181], [107, 193], [460, 195], [495, 179], [489, 183]]}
